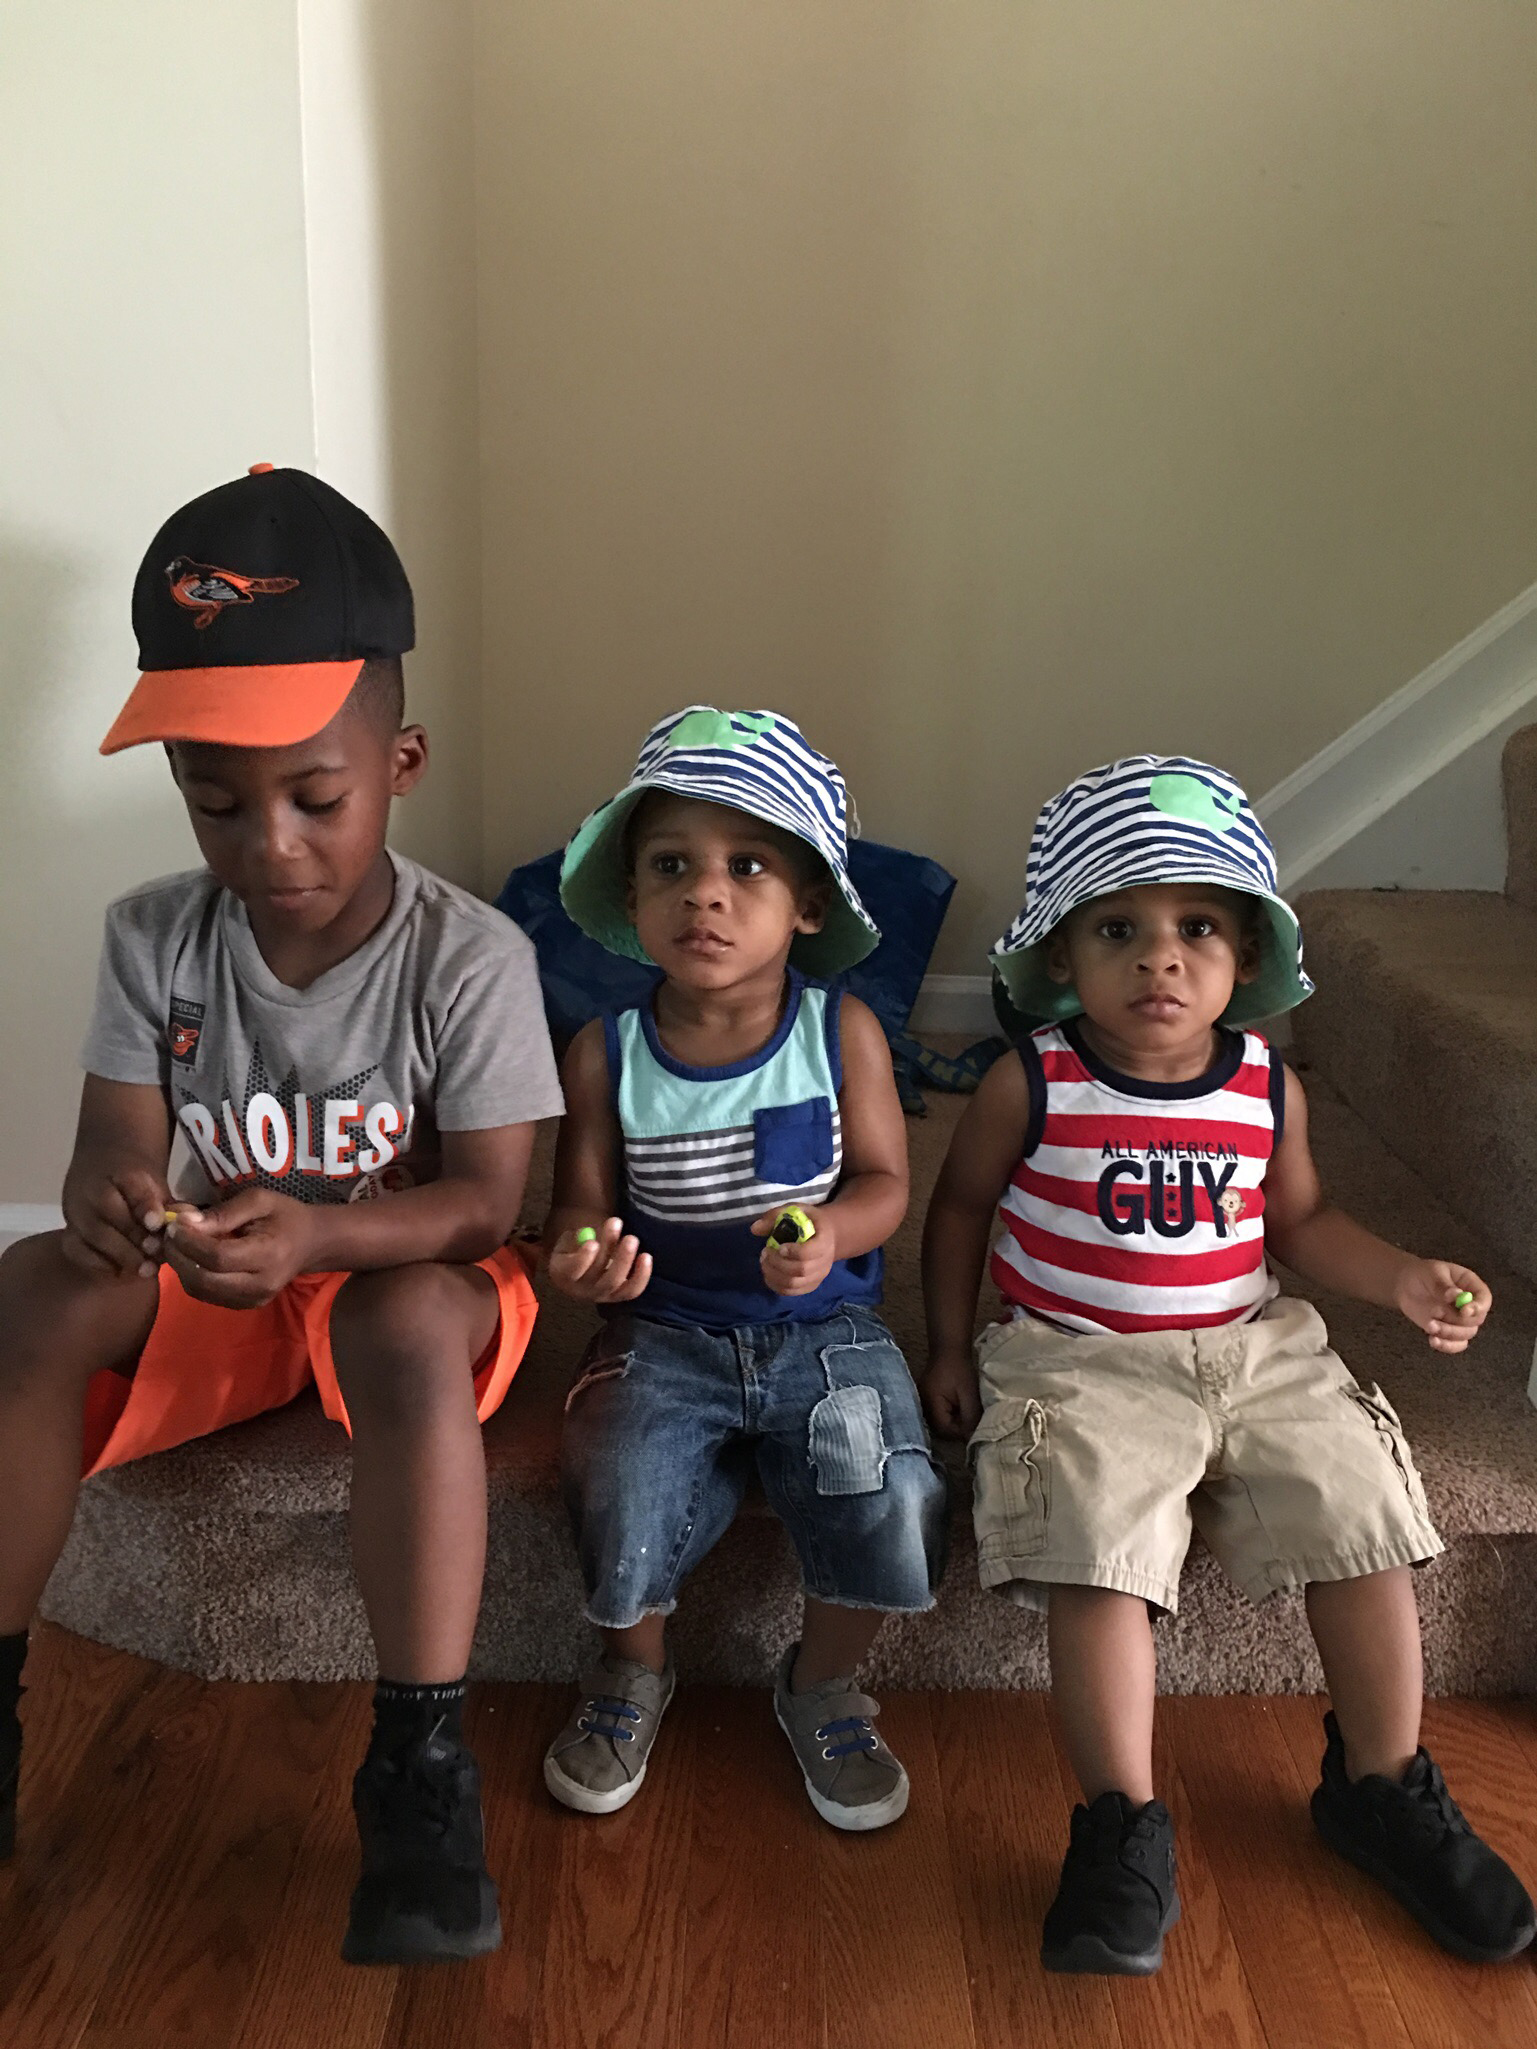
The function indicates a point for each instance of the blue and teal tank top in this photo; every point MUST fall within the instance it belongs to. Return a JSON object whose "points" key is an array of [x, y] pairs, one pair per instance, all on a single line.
{"points": [[708, 1149]]}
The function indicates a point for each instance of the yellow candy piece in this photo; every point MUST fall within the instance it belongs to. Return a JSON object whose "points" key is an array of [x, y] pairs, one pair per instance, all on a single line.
{"points": [[792, 1226]]}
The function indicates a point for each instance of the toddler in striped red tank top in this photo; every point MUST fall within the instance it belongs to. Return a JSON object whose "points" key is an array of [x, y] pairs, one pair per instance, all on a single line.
{"points": [[1140, 1154]]}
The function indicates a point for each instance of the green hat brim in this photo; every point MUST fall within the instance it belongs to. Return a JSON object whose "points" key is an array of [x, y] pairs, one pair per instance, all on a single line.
{"points": [[594, 887], [1279, 986]]}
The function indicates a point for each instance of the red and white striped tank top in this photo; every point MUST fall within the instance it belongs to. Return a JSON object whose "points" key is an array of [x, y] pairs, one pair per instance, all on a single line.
{"points": [[1140, 1205]]}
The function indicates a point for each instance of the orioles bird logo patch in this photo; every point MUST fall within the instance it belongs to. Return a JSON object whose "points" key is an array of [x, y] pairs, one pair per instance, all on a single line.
{"points": [[204, 590], [183, 1029]]}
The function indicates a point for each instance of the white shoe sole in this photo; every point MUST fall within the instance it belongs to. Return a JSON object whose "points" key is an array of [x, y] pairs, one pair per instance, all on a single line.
{"points": [[582, 1799], [854, 1820]]}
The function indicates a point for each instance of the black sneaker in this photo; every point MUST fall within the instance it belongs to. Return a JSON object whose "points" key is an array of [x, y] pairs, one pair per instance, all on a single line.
{"points": [[1412, 1838], [10, 1777], [425, 1893], [1116, 1900]]}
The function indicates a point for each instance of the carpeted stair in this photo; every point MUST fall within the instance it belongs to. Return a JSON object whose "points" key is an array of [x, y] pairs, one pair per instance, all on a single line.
{"points": [[229, 1557], [1425, 1021]]}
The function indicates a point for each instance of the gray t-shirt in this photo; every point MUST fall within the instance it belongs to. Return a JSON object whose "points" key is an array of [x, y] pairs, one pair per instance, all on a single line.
{"points": [[333, 1092]]}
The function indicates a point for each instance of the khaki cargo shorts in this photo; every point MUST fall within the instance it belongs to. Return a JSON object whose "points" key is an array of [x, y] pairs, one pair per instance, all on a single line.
{"points": [[1095, 1455]]}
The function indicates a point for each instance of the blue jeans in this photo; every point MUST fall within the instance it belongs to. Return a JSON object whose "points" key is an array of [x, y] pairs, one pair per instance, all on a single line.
{"points": [[665, 1424]]}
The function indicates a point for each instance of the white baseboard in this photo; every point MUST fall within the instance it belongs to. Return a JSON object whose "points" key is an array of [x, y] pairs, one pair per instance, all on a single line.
{"points": [[1410, 737], [955, 1003], [26, 1219]]}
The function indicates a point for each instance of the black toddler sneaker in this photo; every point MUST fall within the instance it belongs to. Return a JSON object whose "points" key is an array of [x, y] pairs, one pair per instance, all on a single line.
{"points": [[1117, 1899], [425, 1893], [1412, 1837]]}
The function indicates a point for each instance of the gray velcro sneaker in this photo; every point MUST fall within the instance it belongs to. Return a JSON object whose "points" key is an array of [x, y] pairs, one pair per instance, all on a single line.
{"points": [[598, 1760], [851, 1777]]}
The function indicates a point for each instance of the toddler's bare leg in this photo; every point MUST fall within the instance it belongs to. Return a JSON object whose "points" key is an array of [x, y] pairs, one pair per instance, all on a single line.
{"points": [[58, 1326], [1368, 1636], [834, 1642], [643, 1643], [404, 1341], [1103, 1679]]}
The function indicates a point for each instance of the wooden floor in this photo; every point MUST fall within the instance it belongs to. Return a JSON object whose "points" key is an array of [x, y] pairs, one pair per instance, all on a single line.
{"points": [[187, 1851]]}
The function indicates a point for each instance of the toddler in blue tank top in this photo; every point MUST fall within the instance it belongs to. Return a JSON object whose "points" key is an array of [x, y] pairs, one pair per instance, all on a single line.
{"points": [[748, 1084]]}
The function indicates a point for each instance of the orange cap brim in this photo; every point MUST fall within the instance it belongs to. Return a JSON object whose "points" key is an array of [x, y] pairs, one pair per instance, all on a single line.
{"points": [[245, 707]]}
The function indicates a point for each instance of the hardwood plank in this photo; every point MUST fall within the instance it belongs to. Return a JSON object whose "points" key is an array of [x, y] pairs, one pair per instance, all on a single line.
{"points": [[93, 1865], [301, 1991], [71, 1687], [1006, 1816], [1520, 1718], [754, 1915], [189, 1956], [1316, 1975], [894, 1958], [494, 1999], [1443, 2000], [615, 1958]]}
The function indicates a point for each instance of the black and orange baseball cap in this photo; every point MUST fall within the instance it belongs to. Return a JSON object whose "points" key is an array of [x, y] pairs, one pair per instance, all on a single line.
{"points": [[255, 609]]}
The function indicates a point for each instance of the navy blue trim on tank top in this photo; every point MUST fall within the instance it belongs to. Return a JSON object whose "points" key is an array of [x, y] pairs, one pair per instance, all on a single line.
{"points": [[1035, 1081], [1277, 1097], [1227, 1063], [750, 1065], [833, 1023], [615, 1058]]}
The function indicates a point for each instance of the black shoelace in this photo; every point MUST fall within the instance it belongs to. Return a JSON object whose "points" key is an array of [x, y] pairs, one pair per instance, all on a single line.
{"points": [[1427, 1810], [418, 1793]]}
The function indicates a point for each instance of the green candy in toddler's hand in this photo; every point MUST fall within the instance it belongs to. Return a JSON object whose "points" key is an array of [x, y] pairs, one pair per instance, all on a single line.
{"points": [[1462, 1300], [586, 1235]]}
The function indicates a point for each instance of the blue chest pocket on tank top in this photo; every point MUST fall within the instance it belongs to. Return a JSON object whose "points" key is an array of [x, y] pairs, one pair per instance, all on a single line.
{"points": [[793, 1142]]}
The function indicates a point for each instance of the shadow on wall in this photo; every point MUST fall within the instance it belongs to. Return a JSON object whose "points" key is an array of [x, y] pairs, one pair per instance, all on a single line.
{"points": [[416, 75], [67, 818]]}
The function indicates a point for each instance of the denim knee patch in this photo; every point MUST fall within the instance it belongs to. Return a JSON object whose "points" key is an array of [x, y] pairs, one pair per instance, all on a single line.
{"points": [[848, 1446]]}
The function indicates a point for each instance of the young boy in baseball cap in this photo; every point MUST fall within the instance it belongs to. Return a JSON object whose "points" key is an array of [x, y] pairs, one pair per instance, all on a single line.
{"points": [[304, 1024], [747, 1090], [1143, 1152]]}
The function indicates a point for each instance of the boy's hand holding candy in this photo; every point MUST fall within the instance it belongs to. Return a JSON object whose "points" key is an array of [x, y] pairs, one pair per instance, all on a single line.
{"points": [[600, 1265], [801, 1249], [1448, 1302], [242, 1253], [112, 1218]]}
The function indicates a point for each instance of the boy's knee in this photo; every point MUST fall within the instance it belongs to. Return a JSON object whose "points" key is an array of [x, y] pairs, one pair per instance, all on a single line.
{"points": [[61, 1318], [401, 1338]]}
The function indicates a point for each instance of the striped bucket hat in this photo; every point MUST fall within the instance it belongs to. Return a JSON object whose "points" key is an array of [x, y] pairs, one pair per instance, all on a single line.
{"points": [[1149, 818], [753, 761]]}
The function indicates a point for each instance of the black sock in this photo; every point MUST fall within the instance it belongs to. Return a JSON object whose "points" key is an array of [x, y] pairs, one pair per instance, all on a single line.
{"points": [[13, 1655], [406, 1714]]}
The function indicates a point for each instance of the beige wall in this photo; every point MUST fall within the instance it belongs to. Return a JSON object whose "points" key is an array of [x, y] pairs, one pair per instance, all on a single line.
{"points": [[390, 224], [993, 386], [152, 342], [230, 231]]}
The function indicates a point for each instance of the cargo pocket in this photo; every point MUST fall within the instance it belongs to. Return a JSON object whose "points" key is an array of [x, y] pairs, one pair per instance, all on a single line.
{"points": [[1011, 1480], [793, 1142], [847, 1445], [1383, 1417]]}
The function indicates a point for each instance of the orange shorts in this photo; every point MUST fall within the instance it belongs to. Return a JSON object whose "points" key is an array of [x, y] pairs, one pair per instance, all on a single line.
{"points": [[204, 1367]]}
